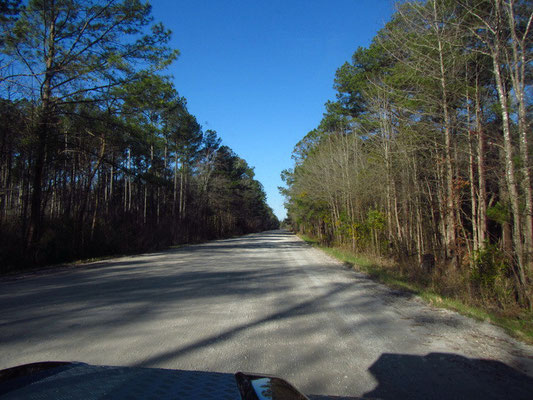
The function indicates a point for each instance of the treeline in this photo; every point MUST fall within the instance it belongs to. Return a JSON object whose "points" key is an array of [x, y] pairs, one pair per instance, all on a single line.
{"points": [[98, 152], [424, 154]]}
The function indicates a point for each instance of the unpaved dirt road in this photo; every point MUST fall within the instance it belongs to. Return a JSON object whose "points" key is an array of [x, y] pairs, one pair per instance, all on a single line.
{"points": [[261, 303]]}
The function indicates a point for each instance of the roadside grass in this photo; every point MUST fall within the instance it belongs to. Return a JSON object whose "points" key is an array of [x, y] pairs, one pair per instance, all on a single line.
{"points": [[517, 324]]}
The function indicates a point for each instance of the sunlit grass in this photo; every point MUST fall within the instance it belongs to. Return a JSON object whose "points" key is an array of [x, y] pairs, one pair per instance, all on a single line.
{"points": [[519, 326]]}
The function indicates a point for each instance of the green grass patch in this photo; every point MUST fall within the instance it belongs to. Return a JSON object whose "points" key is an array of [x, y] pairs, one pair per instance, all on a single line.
{"points": [[519, 326]]}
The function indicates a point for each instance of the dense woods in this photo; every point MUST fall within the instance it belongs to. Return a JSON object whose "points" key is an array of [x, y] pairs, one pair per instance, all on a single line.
{"points": [[98, 152], [425, 154]]}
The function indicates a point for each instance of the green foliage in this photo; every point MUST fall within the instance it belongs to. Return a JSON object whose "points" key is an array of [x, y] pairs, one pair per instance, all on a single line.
{"points": [[352, 80], [489, 267], [9, 12], [376, 220], [499, 213]]}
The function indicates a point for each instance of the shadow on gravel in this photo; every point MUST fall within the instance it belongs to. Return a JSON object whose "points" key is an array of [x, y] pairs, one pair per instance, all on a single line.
{"points": [[305, 308], [446, 376]]}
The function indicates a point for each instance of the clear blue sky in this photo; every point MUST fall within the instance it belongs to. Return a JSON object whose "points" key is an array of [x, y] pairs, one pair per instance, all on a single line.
{"points": [[259, 71]]}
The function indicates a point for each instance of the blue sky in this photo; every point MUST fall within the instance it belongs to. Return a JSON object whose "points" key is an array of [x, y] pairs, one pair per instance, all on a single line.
{"points": [[259, 72]]}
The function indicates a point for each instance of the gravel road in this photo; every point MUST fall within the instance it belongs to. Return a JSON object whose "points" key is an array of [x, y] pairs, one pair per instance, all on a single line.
{"points": [[264, 303]]}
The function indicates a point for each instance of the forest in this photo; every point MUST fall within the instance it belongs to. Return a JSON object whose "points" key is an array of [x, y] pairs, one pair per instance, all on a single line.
{"points": [[99, 154], [424, 157]]}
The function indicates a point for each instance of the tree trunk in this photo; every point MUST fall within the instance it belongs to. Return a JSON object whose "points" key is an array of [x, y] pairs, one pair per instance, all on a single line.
{"points": [[517, 63], [34, 233], [509, 165], [481, 174], [175, 194], [451, 246], [43, 126], [472, 182]]}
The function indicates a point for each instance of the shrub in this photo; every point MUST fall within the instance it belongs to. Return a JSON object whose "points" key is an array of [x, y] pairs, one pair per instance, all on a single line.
{"points": [[491, 277], [488, 267]]}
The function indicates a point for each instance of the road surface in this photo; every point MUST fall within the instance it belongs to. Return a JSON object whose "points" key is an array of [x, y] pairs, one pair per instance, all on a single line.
{"points": [[264, 303]]}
